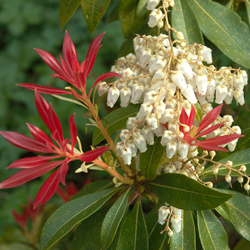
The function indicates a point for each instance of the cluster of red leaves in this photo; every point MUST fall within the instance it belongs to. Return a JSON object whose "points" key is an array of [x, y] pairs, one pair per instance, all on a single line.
{"points": [[193, 133], [29, 212], [61, 150]]}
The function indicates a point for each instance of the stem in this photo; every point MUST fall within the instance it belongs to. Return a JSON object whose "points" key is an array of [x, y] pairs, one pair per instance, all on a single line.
{"points": [[105, 133], [113, 172]]}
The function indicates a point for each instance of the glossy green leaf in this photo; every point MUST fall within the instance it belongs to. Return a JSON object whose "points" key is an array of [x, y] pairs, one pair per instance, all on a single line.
{"points": [[70, 214], [243, 244], [238, 158], [141, 7], [112, 219], [93, 187], [115, 121], [150, 160], [157, 240], [224, 28], [198, 112], [113, 16], [87, 235], [211, 231], [67, 9], [237, 210], [183, 192], [247, 2], [134, 233], [185, 239], [184, 20], [130, 22], [93, 11]]}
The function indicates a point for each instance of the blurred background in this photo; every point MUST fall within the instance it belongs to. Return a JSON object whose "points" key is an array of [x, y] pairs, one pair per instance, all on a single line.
{"points": [[29, 24]]}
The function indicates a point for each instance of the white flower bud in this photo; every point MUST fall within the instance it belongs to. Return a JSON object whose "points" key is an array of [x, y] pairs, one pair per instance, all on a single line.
{"points": [[148, 135], [228, 120], [125, 134], [207, 55], [145, 110], [136, 93], [160, 107], [240, 179], [228, 178], [119, 148], [210, 90], [178, 78], [127, 155], [229, 97], [150, 97], [130, 144], [167, 137], [247, 187], [179, 35], [169, 168], [163, 213], [244, 75], [183, 149], [125, 95], [145, 56], [232, 145], [171, 149], [131, 123], [157, 62], [113, 94], [185, 68], [140, 142], [127, 73], [221, 93], [102, 88], [201, 82], [176, 223], [239, 96], [238, 82], [189, 94], [154, 17], [167, 115]]}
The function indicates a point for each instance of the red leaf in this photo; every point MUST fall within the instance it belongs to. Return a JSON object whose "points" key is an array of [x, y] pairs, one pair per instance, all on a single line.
{"points": [[92, 155], [183, 119], [38, 134], [47, 190], [209, 130], [28, 174], [45, 90], [25, 142], [31, 162], [73, 131], [71, 188], [62, 171], [209, 118], [21, 219], [80, 81], [211, 147], [191, 117], [220, 140]]}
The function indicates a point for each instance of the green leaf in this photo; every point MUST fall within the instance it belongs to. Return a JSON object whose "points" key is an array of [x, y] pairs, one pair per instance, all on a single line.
{"points": [[247, 2], [113, 16], [87, 235], [237, 211], [198, 112], [211, 231], [238, 158], [130, 22], [184, 20], [134, 233], [115, 121], [112, 220], [73, 212], [93, 11], [150, 161], [243, 244], [67, 9], [224, 28], [183, 192], [93, 187], [185, 239], [141, 7], [157, 241]]}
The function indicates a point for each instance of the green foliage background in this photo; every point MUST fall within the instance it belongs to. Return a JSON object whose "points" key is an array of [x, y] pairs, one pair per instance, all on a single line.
{"points": [[29, 24]]}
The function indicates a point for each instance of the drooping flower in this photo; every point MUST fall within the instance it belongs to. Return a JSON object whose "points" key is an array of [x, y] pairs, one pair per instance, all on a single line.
{"points": [[191, 132], [70, 70], [61, 150]]}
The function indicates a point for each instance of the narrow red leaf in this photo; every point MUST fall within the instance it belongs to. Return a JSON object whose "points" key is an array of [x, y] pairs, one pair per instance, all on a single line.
{"points": [[25, 142], [211, 147], [47, 190], [73, 131], [71, 188], [61, 192], [209, 130], [92, 155], [31, 162], [28, 174], [220, 140], [21, 219], [45, 90], [183, 119], [62, 171], [191, 117], [38, 134], [80, 81], [209, 118]]}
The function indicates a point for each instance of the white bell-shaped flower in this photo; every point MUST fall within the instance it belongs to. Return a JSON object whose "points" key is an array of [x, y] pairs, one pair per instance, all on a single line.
{"points": [[160, 107], [171, 149], [156, 63], [127, 73], [189, 94], [228, 120], [140, 142], [185, 68], [152, 4], [239, 82], [102, 88], [171, 88], [125, 134], [152, 121], [167, 137], [239, 96], [150, 97], [169, 168], [232, 145], [183, 148], [145, 56], [127, 155], [229, 97], [221, 93], [244, 75], [207, 55], [154, 17], [159, 130], [136, 93], [113, 95], [119, 148], [178, 78], [130, 144], [163, 213], [176, 223], [201, 82], [131, 123], [173, 125], [148, 135], [125, 95], [237, 130], [145, 110], [167, 116], [210, 90]]}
